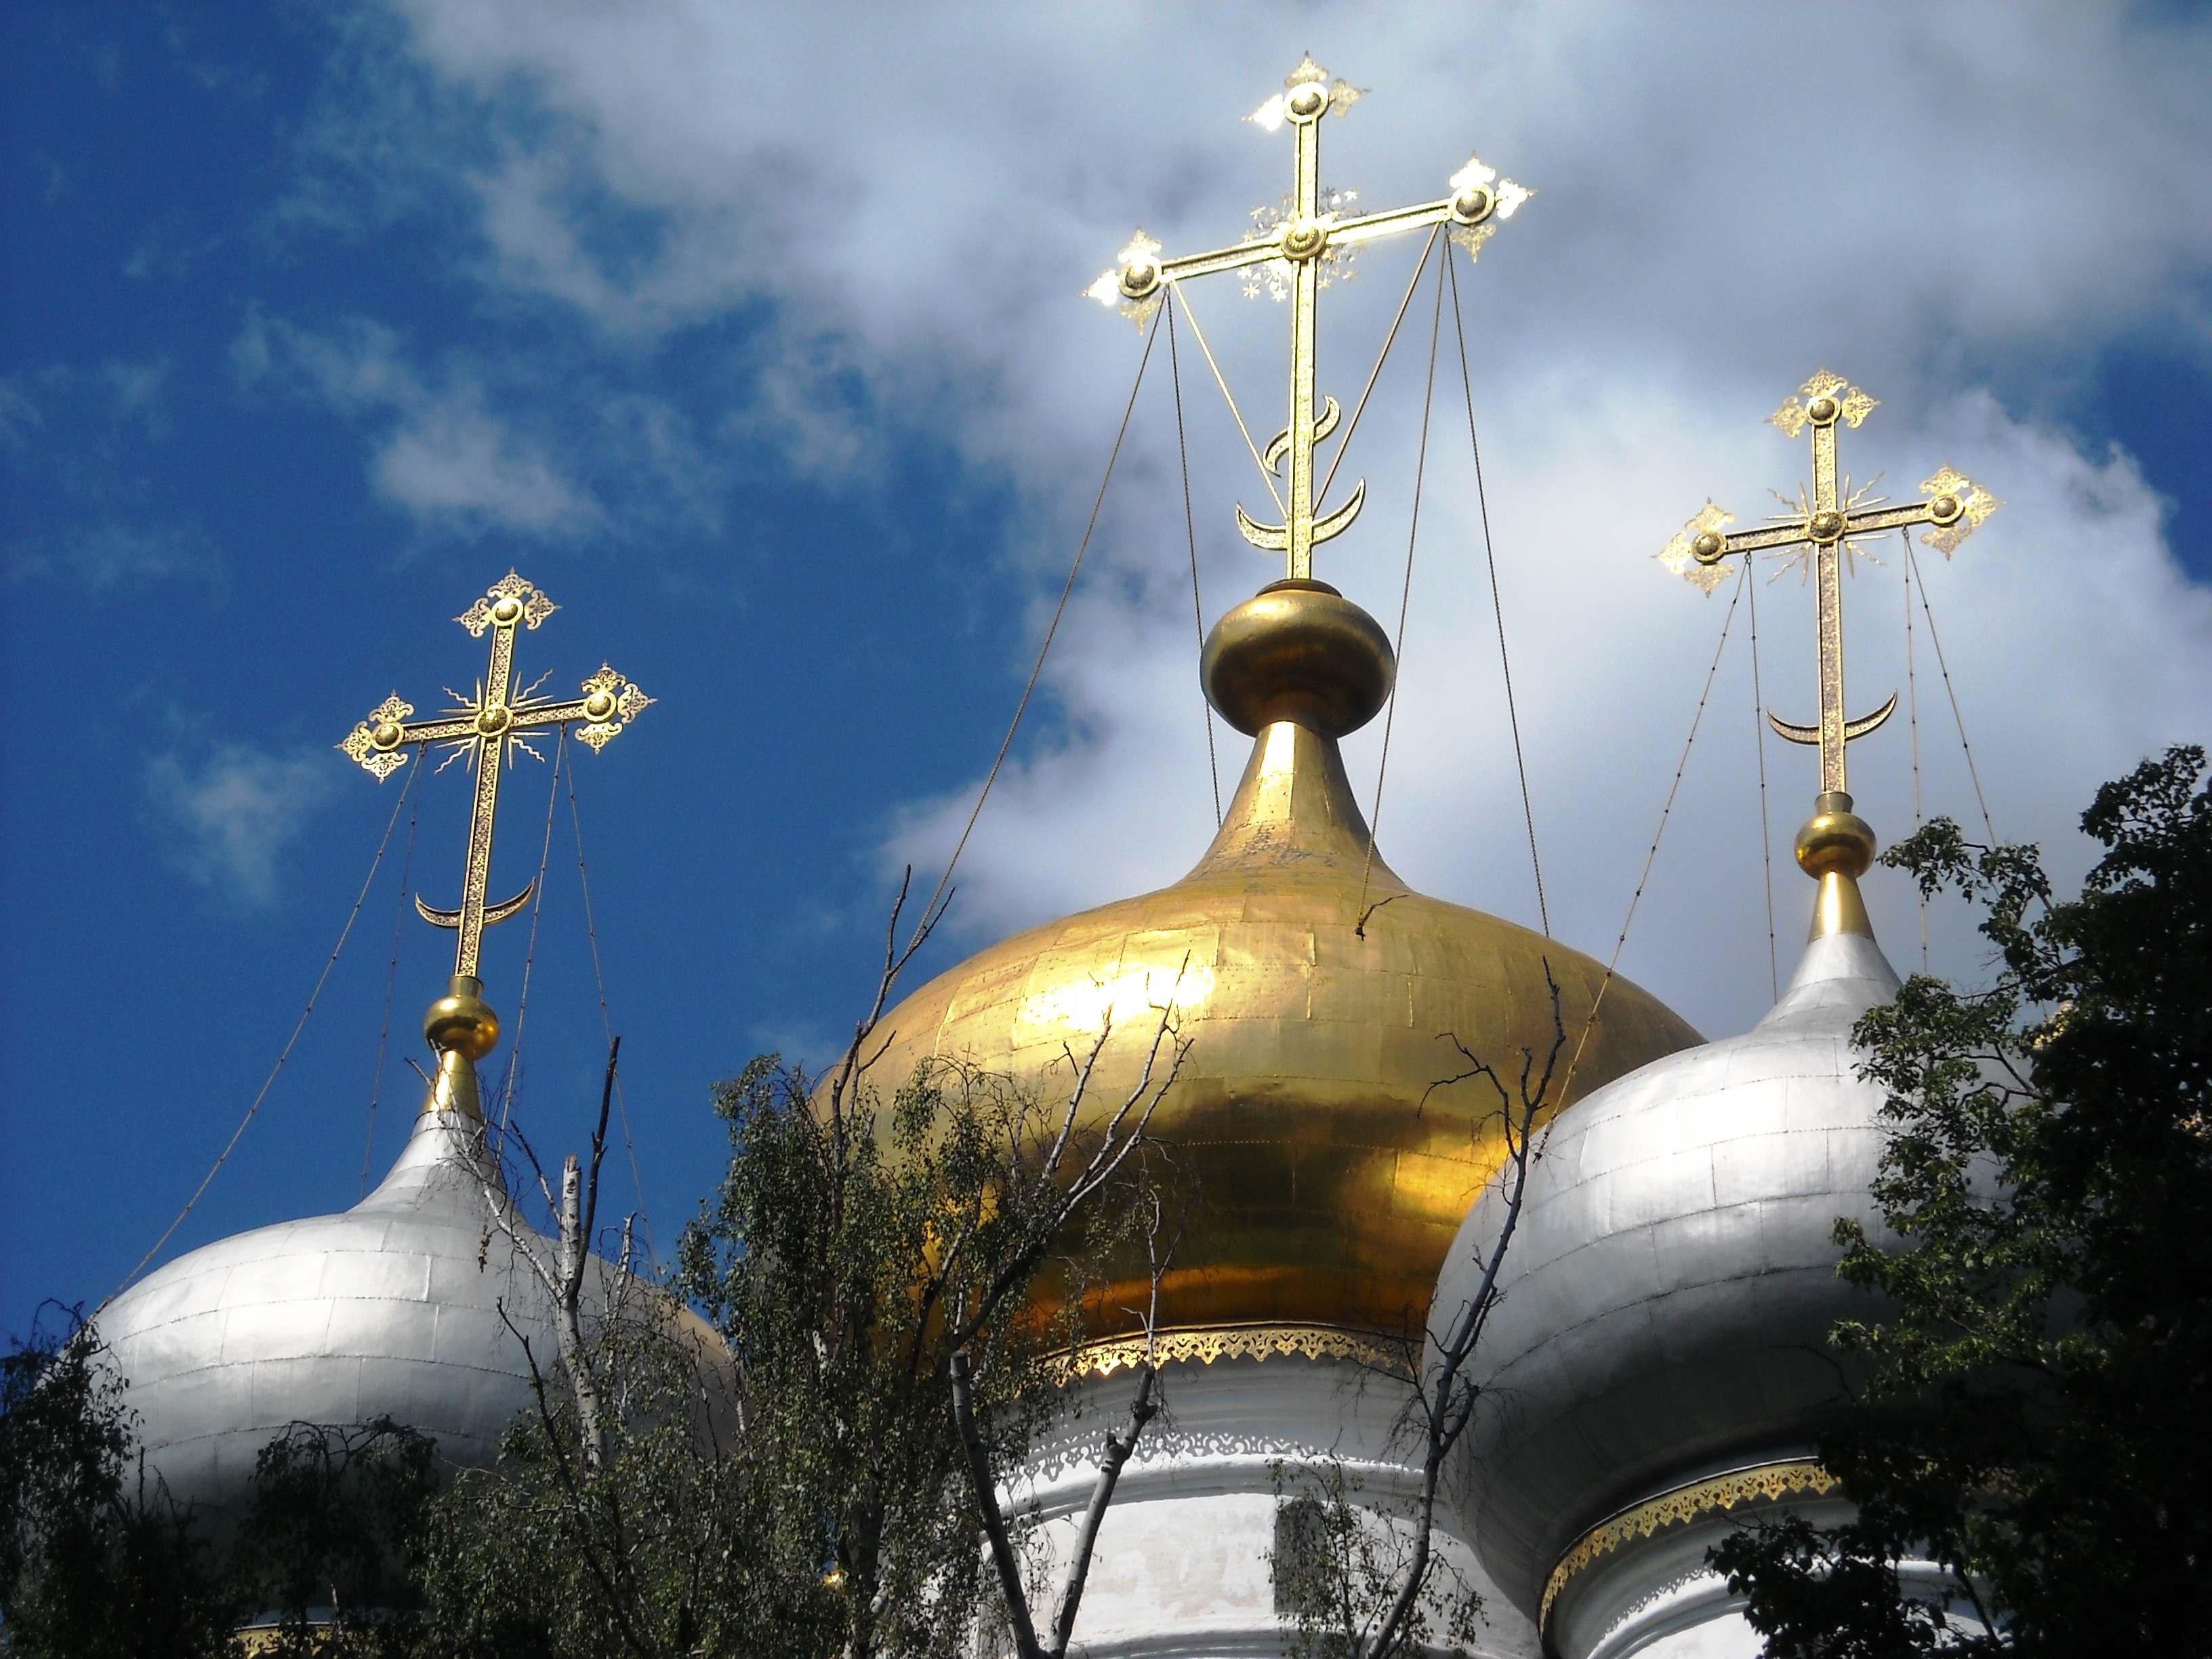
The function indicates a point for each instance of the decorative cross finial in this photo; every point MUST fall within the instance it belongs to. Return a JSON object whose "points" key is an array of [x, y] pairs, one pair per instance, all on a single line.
{"points": [[486, 728], [1823, 525], [1292, 253]]}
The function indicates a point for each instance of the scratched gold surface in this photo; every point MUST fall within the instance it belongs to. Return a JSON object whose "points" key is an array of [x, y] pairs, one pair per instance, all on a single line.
{"points": [[1318, 1189]]}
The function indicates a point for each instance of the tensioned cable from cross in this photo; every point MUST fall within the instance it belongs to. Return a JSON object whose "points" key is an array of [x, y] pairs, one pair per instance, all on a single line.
{"points": [[512, 1079], [1613, 964], [929, 911], [1937, 640], [1497, 606], [1381, 358], [1190, 535], [1227, 396], [1406, 592], [262, 1094], [606, 1018], [1765, 836], [1912, 719], [391, 983]]}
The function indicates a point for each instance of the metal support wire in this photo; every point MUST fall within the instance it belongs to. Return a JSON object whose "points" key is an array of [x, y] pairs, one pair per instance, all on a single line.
{"points": [[606, 1019], [1765, 828], [1613, 964], [391, 983], [1912, 719], [1227, 396], [929, 911], [1381, 358], [1937, 640], [1406, 592], [1190, 535], [1497, 605], [512, 1079], [269, 1082]]}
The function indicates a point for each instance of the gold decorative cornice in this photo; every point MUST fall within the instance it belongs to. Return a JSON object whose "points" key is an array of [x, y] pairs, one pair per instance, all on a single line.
{"points": [[1765, 1481], [1204, 1345]]}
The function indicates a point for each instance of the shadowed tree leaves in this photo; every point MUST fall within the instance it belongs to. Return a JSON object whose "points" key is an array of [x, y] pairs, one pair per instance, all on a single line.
{"points": [[95, 1561], [2033, 1420]]}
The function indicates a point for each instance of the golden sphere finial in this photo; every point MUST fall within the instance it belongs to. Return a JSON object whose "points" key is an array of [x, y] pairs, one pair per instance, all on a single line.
{"points": [[1298, 650], [1835, 840], [461, 1021]]}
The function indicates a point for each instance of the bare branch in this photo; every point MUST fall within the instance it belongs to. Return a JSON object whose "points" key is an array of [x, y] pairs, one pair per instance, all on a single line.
{"points": [[1446, 1399], [1118, 1450]]}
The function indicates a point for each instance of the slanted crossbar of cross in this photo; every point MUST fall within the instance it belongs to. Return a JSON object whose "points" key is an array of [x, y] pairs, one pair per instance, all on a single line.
{"points": [[1299, 244], [488, 727], [1825, 524]]}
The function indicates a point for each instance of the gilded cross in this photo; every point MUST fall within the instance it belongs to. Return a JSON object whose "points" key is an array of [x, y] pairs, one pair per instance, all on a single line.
{"points": [[1823, 525], [1293, 252], [488, 728]]}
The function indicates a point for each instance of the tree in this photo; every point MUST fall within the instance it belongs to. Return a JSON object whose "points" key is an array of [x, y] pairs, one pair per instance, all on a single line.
{"points": [[325, 1541], [2034, 1419], [856, 1249], [792, 1482], [1358, 1580], [95, 1560]]}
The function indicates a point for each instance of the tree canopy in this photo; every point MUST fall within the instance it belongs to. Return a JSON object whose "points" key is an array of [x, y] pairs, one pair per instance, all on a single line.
{"points": [[2041, 1352]]}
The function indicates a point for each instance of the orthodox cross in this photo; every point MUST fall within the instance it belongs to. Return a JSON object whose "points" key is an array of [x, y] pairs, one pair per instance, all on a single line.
{"points": [[488, 727], [1823, 525], [1298, 247]]}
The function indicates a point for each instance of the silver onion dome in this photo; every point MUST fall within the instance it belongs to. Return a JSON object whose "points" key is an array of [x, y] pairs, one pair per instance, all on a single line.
{"points": [[1660, 1347], [391, 1308], [411, 1305]]}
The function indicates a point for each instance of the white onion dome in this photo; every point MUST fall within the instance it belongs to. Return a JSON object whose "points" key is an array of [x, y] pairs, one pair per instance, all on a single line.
{"points": [[1660, 1348], [389, 1309]]}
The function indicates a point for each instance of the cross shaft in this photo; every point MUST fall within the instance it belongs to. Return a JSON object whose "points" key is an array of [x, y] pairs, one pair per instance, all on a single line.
{"points": [[1825, 525], [488, 728], [1300, 242]]}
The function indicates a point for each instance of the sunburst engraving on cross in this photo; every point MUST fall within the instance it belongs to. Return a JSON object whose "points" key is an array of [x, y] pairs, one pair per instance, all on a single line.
{"points": [[1822, 525], [489, 728], [1291, 252]]}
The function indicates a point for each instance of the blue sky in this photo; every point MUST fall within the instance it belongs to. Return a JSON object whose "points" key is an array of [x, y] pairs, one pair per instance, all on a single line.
{"points": [[751, 335]]}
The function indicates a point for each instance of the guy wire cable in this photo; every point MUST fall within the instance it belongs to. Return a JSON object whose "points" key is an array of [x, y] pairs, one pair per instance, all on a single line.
{"points": [[1497, 605], [1937, 640], [929, 910], [1381, 358], [1912, 718], [1190, 534], [262, 1094], [607, 1020], [1766, 833], [1227, 396], [1613, 964], [391, 981], [508, 1084], [1404, 593]]}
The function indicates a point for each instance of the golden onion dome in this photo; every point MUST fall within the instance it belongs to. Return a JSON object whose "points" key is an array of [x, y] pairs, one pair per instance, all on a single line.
{"points": [[1326, 1173]]}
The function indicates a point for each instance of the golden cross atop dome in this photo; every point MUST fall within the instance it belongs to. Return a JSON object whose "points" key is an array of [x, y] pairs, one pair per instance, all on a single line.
{"points": [[1295, 248], [1822, 527], [488, 727]]}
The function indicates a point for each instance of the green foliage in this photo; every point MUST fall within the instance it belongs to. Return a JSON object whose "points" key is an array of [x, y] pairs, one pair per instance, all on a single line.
{"points": [[667, 1549], [93, 1562], [2033, 1421], [324, 1546], [851, 1251], [790, 1482], [1338, 1564]]}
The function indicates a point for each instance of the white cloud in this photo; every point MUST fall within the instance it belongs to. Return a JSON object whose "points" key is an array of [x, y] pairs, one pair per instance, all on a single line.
{"points": [[440, 455], [232, 813], [1960, 207]]}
